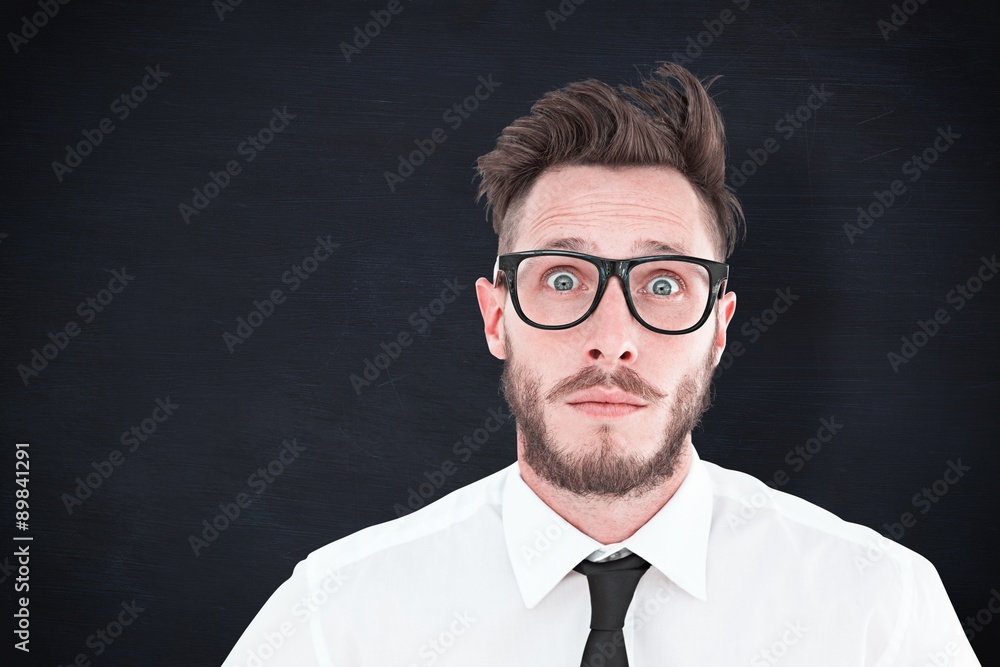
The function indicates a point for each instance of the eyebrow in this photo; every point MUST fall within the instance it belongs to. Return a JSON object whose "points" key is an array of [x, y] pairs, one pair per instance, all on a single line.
{"points": [[645, 246]]}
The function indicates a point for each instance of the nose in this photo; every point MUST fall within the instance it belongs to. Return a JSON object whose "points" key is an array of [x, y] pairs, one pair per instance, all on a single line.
{"points": [[611, 329]]}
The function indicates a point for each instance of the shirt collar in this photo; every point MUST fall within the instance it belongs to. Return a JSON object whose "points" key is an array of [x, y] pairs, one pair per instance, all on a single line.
{"points": [[543, 547]]}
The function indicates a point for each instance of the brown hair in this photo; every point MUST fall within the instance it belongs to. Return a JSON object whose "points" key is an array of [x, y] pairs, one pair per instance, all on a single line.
{"points": [[591, 123]]}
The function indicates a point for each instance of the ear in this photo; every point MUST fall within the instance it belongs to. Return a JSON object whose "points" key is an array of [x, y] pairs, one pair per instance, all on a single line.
{"points": [[491, 305], [727, 308]]}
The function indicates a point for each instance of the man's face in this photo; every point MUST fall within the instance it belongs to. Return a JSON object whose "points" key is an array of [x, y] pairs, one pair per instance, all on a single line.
{"points": [[652, 388]]}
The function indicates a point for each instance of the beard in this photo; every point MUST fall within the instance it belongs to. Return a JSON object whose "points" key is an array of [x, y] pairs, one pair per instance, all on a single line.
{"points": [[599, 469]]}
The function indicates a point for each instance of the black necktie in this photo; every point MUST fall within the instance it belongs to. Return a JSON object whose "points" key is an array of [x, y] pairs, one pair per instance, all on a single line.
{"points": [[612, 585]]}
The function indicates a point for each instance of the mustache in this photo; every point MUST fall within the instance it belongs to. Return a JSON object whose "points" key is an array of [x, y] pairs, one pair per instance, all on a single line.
{"points": [[623, 378]]}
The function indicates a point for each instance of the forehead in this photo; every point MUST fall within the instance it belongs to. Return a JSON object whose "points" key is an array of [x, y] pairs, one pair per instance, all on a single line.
{"points": [[615, 213]]}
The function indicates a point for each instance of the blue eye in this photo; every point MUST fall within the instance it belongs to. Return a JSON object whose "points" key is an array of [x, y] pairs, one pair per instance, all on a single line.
{"points": [[662, 286], [561, 281]]}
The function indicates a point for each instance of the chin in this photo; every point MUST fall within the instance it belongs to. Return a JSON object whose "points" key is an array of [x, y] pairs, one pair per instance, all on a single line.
{"points": [[614, 436]]}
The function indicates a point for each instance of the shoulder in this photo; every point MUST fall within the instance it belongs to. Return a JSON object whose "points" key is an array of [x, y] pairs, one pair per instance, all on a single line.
{"points": [[816, 563], [746, 510], [472, 509]]}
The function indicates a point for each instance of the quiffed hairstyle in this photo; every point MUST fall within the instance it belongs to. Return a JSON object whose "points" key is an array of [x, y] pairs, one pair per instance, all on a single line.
{"points": [[669, 122]]}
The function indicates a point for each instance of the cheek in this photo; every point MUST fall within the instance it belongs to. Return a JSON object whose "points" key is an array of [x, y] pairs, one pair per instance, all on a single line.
{"points": [[544, 348], [667, 366]]}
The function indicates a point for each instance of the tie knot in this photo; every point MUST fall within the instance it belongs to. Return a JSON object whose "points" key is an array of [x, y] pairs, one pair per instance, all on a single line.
{"points": [[612, 585]]}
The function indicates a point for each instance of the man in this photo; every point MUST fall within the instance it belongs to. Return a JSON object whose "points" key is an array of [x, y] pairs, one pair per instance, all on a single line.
{"points": [[609, 541]]}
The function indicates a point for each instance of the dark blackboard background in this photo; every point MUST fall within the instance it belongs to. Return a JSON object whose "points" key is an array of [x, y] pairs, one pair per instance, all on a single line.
{"points": [[162, 336]]}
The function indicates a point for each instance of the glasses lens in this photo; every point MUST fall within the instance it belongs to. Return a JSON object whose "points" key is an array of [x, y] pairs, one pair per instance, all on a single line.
{"points": [[554, 290], [670, 294]]}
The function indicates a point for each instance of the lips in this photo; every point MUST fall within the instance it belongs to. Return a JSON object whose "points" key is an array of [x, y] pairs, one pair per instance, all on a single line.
{"points": [[609, 397]]}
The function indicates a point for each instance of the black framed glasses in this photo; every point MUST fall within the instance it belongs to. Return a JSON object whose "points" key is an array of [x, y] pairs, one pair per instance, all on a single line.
{"points": [[556, 289]]}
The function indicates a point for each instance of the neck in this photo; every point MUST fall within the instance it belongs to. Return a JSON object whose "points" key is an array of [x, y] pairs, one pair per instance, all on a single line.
{"points": [[608, 519]]}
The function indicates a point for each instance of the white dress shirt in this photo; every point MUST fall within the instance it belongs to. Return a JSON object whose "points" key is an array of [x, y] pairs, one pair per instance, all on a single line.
{"points": [[741, 575]]}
